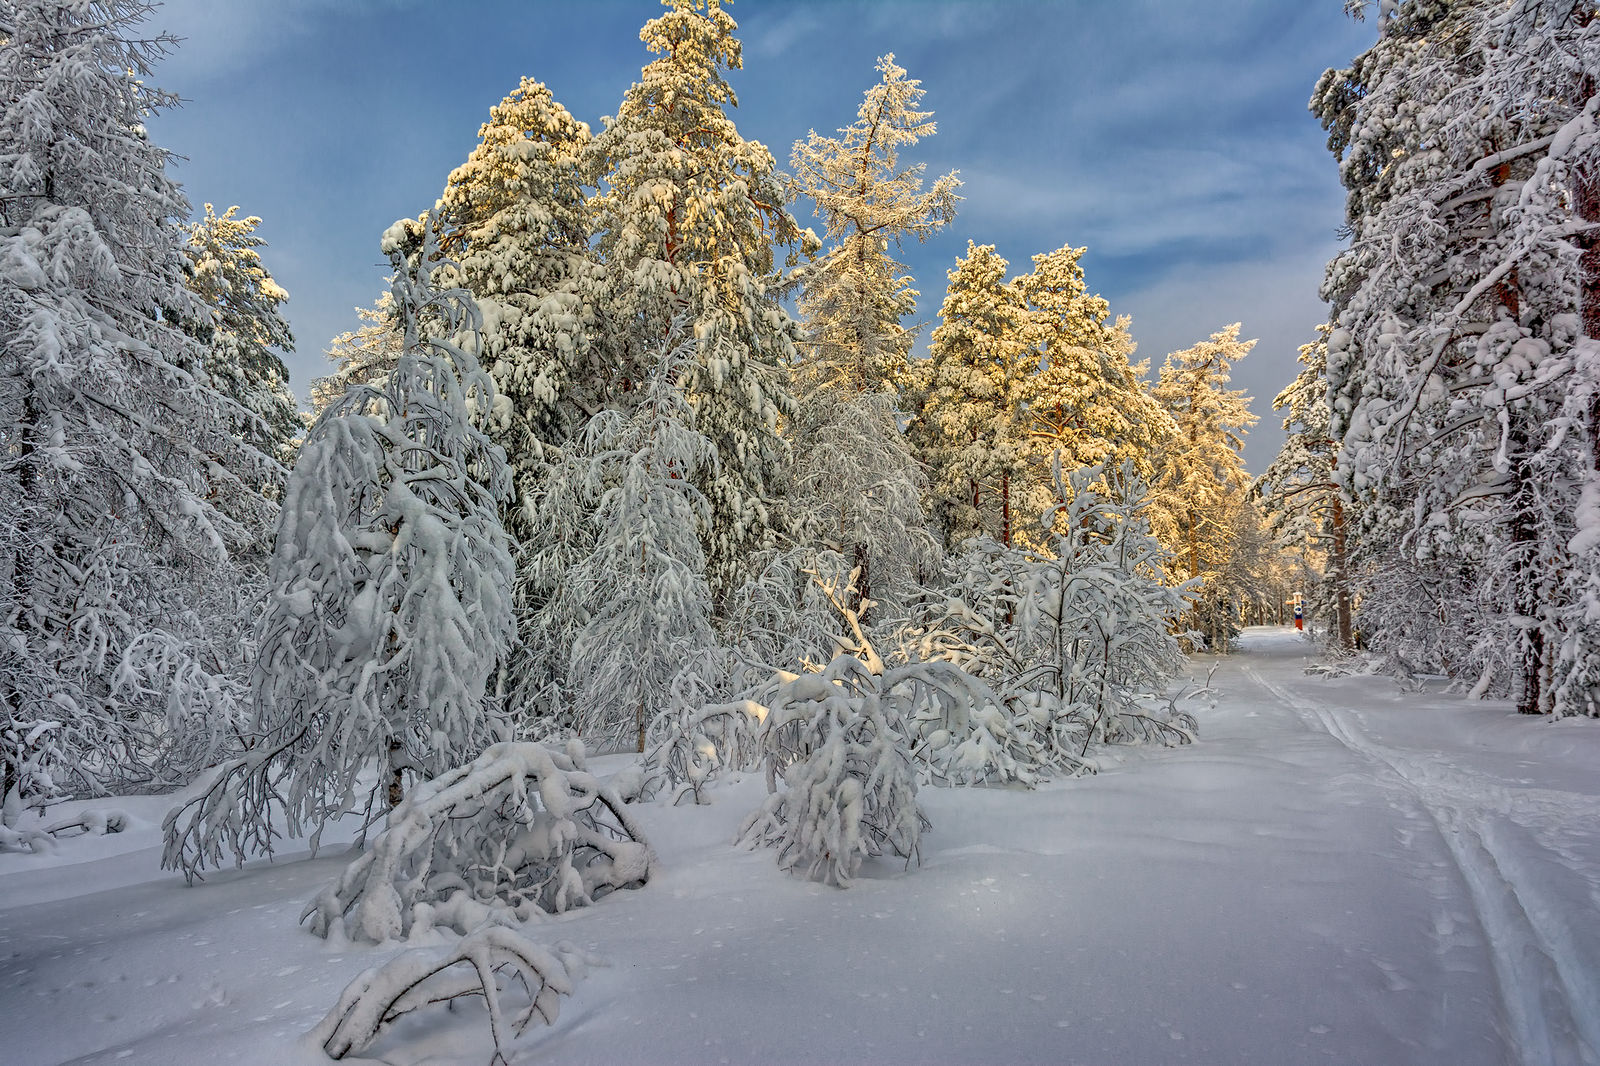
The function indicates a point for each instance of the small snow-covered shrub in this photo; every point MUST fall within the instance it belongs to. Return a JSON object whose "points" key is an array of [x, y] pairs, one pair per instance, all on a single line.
{"points": [[693, 744], [849, 789], [487, 963], [964, 733], [1075, 638], [521, 830]]}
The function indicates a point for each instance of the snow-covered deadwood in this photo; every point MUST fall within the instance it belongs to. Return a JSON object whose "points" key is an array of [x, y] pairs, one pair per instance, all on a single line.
{"points": [[524, 829], [488, 962]]}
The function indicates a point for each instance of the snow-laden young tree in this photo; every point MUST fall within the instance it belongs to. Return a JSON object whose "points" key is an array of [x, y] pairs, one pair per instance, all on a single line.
{"points": [[521, 830], [515, 223], [361, 356], [124, 496], [857, 488], [1305, 507], [1461, 363], [856, 492], [849, 789], [856, 296], [689, 221], [970, 426], [243, 330], [649, 605], [389, 602], [1087, 402], [1200, 495]]}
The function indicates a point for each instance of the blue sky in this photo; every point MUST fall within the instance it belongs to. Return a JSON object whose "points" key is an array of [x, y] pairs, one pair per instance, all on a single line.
{"points": [[1170, 137]]}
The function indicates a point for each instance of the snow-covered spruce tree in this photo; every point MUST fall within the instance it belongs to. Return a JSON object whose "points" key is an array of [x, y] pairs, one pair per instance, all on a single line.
{"points": [[388, 604], [644, 582], [688, 224], [969, 427], [243, 330], [124, 494], [1086, 403], [1305, 507], [517, 223], [1462, 362], [361, 356], [1200, 494]]}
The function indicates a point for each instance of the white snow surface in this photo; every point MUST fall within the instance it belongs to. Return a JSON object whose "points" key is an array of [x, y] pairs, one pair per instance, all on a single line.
{"points": [[1337, 872]]}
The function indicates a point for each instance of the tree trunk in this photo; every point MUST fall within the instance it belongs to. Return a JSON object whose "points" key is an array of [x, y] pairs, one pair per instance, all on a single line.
{"points": [[1005, 508], [1341, 576], [397, 785]]}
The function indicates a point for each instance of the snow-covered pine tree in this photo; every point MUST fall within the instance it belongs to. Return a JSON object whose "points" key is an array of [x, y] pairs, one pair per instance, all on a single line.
{"points": [[1461, 362], [123, 494], [856, 296], [244, 330], [689, 220], [1200, 497], [1087, 402], [857, 488], [516, 224], [361, 356], [969, 429], [1305, 507], [644, 582], [389, 605]]}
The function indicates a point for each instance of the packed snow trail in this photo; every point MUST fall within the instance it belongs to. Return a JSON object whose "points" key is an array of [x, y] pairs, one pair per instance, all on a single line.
{"points": [[1337, 872], [1504, 838]]}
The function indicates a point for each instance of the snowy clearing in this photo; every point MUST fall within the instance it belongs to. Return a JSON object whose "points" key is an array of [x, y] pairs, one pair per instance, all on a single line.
{"points": [[1336, 872]]}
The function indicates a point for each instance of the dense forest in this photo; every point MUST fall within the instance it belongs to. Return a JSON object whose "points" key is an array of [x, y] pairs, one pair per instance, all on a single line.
{"points": [[630, 459]]}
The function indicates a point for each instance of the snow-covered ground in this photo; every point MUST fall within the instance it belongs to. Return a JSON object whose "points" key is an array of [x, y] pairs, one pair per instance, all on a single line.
{"points": [[1337, 872]]}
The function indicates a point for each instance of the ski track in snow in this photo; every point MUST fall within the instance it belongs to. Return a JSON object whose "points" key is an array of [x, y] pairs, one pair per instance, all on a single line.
{"points": [[1550, 997]]}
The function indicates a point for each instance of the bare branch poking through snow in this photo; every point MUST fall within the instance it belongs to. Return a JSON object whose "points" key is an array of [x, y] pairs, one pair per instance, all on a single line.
{"points": [[493, 959]]}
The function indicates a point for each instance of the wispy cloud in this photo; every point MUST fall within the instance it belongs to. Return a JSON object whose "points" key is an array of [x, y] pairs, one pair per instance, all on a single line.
{"points": [[228, 37]]}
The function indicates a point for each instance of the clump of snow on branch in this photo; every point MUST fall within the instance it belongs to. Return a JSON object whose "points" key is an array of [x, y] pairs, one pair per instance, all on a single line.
{"points": [[849, 790], [522, 830]]}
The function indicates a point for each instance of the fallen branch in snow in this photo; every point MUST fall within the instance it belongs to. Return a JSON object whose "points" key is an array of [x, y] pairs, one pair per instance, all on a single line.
{"points": [[495, 959], [96, 821], [521, 830]]}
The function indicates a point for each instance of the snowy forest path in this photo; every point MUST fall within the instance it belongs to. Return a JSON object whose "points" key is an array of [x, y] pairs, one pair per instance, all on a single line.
{"points": [[1335, 872], [1526, 856]]}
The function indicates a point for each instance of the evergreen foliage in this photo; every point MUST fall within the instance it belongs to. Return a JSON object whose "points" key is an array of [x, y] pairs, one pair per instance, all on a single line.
{"points": [[125, 500], [1201, 508], [244, 330], [688, 223]]}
